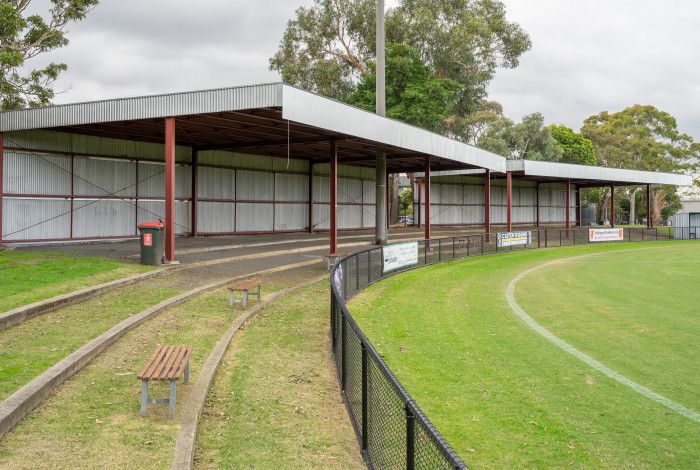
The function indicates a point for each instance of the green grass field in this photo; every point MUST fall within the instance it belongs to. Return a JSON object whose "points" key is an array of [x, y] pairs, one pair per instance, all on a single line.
{"points": [[30, 276], [506, 397]]}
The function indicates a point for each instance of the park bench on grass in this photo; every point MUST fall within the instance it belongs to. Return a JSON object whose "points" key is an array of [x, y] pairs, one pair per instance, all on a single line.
{"points": [[167, 363], [247, 288]]}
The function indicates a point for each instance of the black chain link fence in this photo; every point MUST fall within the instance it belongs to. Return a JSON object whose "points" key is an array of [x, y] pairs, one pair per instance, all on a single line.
{"points": [[392, 430]]}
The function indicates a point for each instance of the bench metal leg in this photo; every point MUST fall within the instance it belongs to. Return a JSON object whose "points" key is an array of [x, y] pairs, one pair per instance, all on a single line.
{"points": [[171, 399], [144, 397], [245, 299], [258, 294], [187, 372]]}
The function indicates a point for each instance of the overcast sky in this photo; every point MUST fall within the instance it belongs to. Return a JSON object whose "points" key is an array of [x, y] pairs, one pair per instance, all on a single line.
{"points": [[587, 56]]}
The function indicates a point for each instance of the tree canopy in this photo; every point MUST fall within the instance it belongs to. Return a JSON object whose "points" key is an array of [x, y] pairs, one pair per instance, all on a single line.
{"points": [[575, 148], [328, 48], [24, 36], [530, 139], [414, 94]]}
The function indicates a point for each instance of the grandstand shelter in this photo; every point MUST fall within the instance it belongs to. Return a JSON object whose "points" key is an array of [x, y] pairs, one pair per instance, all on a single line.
{"points": [[256, 159]]}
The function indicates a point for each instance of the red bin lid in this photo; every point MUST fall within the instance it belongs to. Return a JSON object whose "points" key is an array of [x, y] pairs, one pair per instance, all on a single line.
{"points": [[151, 225]]}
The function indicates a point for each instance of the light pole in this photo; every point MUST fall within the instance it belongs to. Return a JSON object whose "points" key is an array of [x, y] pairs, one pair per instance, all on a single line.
{"points": [[380, 93]]}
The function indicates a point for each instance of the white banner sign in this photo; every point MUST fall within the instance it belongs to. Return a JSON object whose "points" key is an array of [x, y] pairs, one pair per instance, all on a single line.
{"points": [[606, 234], [400, 255], [513, 238]]}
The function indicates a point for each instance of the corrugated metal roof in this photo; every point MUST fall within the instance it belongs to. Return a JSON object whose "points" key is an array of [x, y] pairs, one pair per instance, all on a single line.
{"points": [[308, 108], [145, 107], [583, 173], [595, 173]]}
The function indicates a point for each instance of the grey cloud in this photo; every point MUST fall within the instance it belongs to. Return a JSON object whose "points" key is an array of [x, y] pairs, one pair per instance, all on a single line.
{"points": [[586, 57]]}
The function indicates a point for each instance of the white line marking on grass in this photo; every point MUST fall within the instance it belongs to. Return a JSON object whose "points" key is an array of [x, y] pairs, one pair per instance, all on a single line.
{"points": [[542, 331]]}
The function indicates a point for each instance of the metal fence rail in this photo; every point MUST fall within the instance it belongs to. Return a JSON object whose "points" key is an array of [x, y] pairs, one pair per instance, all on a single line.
{"points": [[392, 430]]}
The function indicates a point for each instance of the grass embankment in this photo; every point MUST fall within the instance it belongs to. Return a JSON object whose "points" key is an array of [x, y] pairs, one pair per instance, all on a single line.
{"points": [[28, 349], [275, 401], [29, 276], [93, 419], [505, 397]]}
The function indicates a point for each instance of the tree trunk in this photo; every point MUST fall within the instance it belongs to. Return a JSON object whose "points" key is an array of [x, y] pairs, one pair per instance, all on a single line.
{"points": [[394, 215], [632, 194]]}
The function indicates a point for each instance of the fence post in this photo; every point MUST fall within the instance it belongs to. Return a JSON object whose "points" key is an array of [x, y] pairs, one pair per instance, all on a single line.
{"points": [[546, 239], [440, 250], [574, 237], [482, 244], [453, 247], [333, 314], [468, 243], [343, 373], [365, 397], [559, 237], [539, 237], [357, 273], [657, 233], [410, 439]]}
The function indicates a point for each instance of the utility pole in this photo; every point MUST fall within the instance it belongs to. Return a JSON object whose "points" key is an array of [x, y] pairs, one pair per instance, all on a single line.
{"points": [[380, 93]]}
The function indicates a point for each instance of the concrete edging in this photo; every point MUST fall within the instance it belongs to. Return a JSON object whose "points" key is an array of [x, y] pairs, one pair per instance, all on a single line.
{"points": [[20, 314], [20, 403], [189, 420]]}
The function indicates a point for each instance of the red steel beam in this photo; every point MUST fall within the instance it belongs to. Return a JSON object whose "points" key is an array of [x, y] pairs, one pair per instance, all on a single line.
{"points": [[650, 223], [195, 189], [416, 217], [509, 201], [487, 202], [388, 204], [427, 198], [612, 205], [2, 158], [311, 197], [334, 198], [170, 189], [567, 216], [579, 208], [537, 204]]}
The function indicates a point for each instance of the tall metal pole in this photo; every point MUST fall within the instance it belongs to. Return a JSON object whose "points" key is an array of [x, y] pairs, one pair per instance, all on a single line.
{"points": [[2, 157], [509, 201], [426, 227], [649, 222], [487, 203], [380, 92], [612, 205]]}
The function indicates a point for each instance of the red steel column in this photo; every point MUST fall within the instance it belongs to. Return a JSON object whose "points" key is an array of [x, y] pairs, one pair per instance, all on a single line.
{"points": [[612, 205], [427, 198], [537, 204], [650, 224], [170, 189], [509, 201], [2, 158], [311, 197], [195, 188], [416, 216], [334, 198], [487, 202], [579, 209], [567, 216]]}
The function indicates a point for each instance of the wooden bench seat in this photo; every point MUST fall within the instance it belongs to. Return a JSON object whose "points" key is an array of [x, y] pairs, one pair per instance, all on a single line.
{"points": [[248, 287], [167, 363]]}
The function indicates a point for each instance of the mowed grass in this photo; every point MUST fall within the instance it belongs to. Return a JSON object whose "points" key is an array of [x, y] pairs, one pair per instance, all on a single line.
{"points": [[29, 276], [638, 314], [28, 349], [505, 397], [275, 401]]}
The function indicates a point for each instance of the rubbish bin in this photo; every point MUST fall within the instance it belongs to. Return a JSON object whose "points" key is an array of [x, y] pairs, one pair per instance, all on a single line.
{"points": [[152, 240]]}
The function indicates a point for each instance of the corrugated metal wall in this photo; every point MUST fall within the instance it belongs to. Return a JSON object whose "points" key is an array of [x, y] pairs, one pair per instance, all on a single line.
{"points": [[459, 200], [65, 186]]}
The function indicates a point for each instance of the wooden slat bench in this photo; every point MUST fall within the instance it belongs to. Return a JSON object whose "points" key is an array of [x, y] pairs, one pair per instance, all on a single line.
{"points": [[167, 363], [247, 287]]}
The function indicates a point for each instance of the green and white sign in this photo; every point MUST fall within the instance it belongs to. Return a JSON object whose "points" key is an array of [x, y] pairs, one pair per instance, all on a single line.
{"points": [[400, 255]]}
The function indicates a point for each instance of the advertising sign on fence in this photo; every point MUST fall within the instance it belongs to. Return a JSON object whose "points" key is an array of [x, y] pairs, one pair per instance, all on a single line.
{"points": [[606, 235], [513, 238], [400, 255]]}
